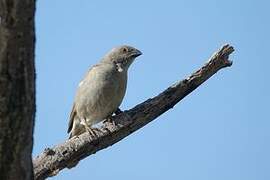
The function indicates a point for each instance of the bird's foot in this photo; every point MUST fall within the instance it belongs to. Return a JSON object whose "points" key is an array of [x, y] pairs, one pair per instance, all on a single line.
{"points": [[110, 120], [90, 131], [93, 131]]}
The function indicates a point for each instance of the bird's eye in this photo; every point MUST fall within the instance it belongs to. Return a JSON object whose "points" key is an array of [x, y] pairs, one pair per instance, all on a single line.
{"points": [[125, 50]]}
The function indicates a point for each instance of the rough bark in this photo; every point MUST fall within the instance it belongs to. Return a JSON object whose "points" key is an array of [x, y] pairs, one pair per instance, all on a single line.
{"points": [[17, 88], [52, 160]]}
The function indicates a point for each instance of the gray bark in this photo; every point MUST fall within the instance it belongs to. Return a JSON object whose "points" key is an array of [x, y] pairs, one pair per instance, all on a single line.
{"points": [[52, 160], [17, 88]]}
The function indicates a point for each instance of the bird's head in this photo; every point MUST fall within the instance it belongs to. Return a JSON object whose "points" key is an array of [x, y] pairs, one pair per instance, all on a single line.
{"points": [[122, 57]]}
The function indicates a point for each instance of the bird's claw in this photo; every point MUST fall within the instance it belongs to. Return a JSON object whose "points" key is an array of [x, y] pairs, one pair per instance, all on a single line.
{"points": [[93, 132], [110, 120]]}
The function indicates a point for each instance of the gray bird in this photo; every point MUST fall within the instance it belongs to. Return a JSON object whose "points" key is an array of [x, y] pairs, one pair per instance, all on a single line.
{"points": [[102, 90]]}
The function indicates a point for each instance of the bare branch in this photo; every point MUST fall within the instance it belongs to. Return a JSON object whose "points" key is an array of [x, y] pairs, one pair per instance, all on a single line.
{"points": [[52, 160]]}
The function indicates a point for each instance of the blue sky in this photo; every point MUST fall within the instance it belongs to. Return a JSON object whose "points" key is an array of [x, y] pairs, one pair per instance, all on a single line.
{"points": [[220, 131]]}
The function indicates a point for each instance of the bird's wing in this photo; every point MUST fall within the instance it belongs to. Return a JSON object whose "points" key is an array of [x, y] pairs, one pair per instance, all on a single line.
{"points": [[73, 111], [71, 118]]}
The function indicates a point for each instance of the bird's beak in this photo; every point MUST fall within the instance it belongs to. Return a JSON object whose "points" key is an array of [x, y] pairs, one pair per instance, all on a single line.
{"points": [[136, 53]]}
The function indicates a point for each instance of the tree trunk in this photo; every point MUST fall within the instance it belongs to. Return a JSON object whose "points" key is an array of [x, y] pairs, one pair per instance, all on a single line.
{"points": [[17, 88]]}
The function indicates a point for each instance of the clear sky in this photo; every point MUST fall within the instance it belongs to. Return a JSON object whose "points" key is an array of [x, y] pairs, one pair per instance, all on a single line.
{"points": [[221, 131]]}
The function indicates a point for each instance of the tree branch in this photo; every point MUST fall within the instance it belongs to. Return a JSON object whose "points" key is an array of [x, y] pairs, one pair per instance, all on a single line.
{"points": [[51, 161]]}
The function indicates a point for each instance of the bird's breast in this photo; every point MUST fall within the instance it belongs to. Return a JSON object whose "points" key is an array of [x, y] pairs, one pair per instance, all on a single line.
{"points": [[101, 94]]}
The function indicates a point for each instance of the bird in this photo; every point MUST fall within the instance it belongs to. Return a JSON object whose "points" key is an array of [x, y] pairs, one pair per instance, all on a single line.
{"points": [[101, 91]]}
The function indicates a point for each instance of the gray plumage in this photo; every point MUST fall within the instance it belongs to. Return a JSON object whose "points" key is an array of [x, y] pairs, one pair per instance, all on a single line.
{"points": [[102, 90]]}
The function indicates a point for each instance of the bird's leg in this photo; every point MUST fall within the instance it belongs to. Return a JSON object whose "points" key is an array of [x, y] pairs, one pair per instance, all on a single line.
{"points": [[95, 130], [88, 129], [109, 119]]}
